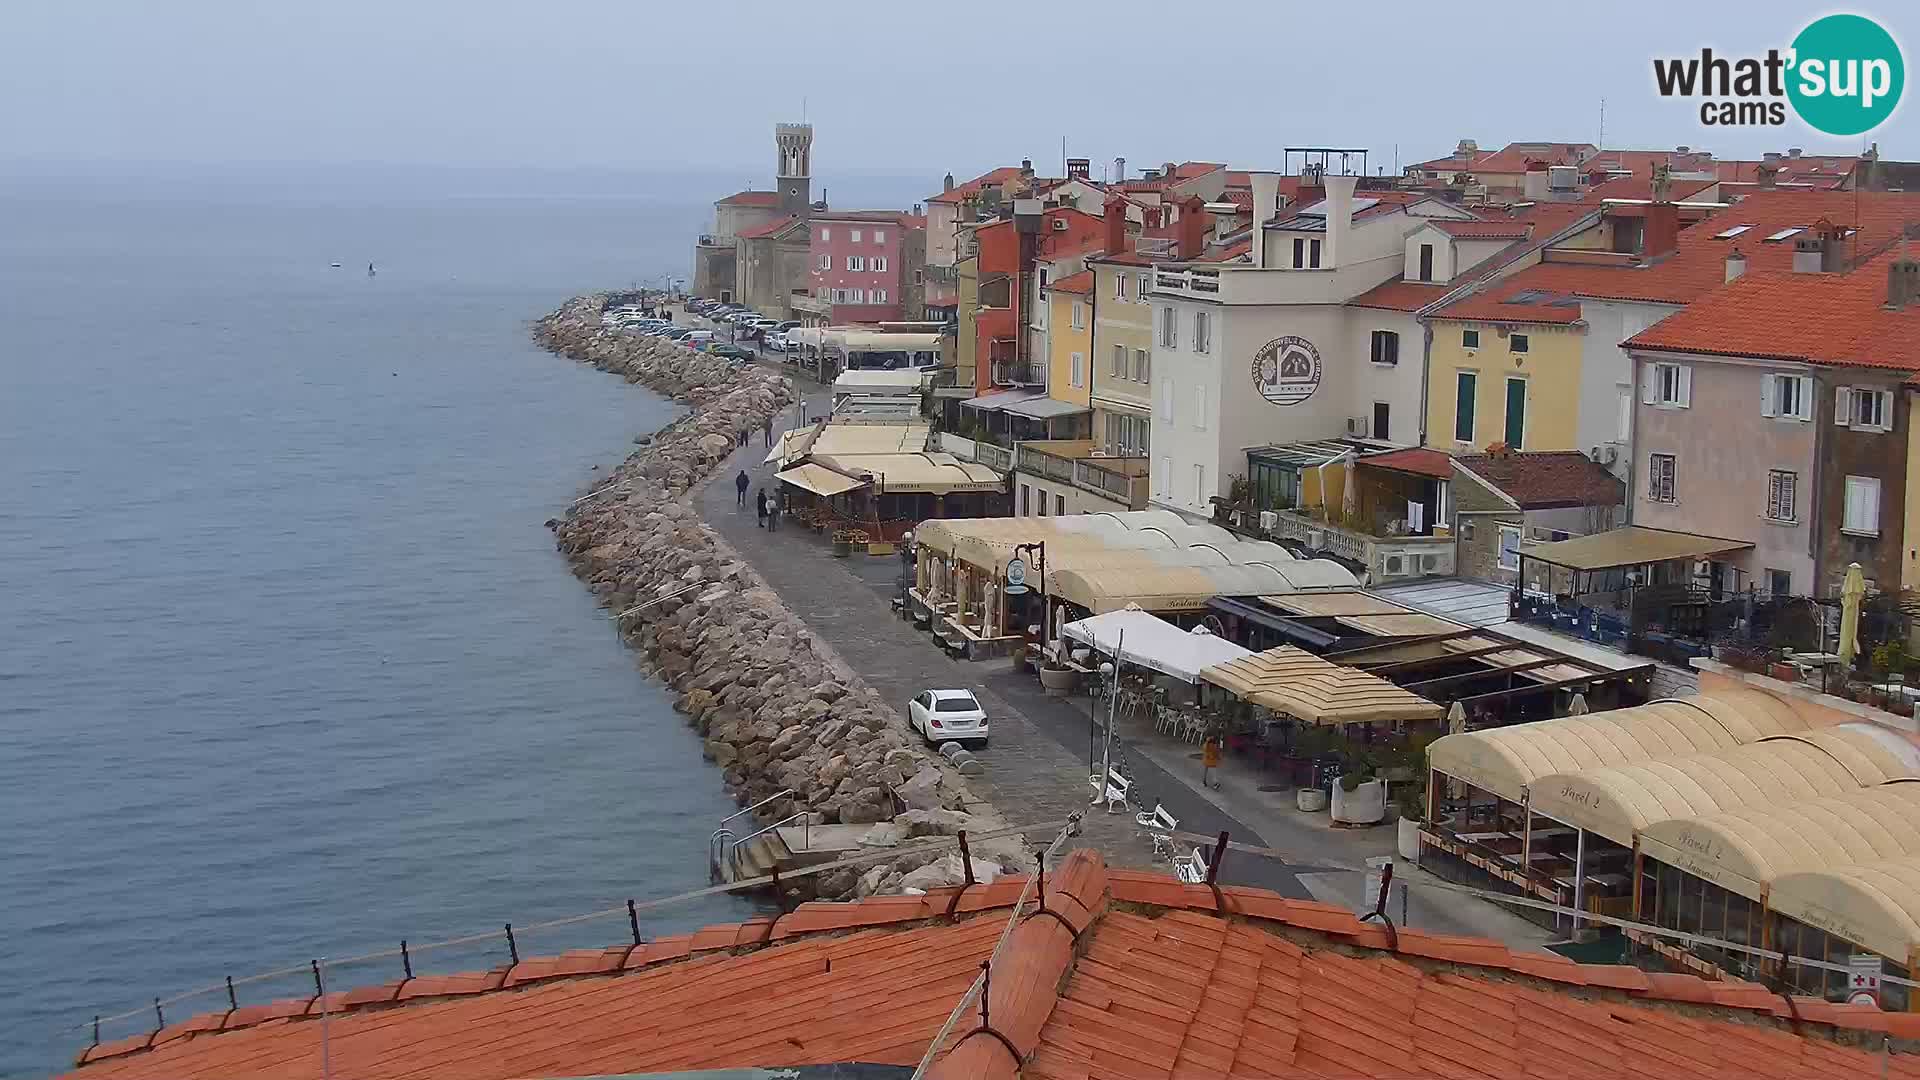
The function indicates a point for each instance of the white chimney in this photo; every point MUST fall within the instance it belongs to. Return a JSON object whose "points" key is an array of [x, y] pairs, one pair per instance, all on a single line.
{"points": [[1736, 264], [1533, 184], [1266, 198], [1339, 217]]}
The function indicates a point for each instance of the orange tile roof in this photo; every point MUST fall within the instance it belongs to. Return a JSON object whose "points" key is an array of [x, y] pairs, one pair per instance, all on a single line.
{"points": [[1641, 187], [753, 198], [1484, 230], [1004, 175], [1081, 282], [1397, 295], [1698, 264], [1128, 974], [1837, 319], [1418, 460], [769, 229]]}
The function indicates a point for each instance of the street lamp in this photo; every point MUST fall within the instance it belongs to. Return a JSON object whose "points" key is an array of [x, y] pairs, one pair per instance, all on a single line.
{"points": [[1016, 581], [906, 566]]}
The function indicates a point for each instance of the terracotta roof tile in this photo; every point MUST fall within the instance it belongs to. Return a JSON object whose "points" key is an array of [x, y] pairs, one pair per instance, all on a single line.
{"points": [[1397, 295], [1157, 990], [1418, 460], [1484, 230], [1081, 283], [1003, 175], [753, 198], [771, 228], [1542, 480]]}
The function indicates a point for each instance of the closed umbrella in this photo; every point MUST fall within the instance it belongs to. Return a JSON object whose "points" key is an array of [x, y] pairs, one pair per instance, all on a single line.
{"points": [[1578, 707], [1852, 591], [1350, 504], [1456, 723]]}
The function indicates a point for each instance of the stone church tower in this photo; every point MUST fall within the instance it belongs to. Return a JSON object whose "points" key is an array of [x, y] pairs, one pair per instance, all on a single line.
{"points": [[794, 176]]}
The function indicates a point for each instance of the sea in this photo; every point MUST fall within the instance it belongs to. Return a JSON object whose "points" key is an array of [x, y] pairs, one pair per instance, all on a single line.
{"points": [[290, 669]]}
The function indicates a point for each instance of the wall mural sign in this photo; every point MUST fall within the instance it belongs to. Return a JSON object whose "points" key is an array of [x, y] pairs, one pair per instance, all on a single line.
{"points": [[1286, 370]]}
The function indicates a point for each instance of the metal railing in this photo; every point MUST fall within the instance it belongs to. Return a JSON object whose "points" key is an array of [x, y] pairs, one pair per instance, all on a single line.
{"points": [[998, 458], [1018, 373], [733, 849], [717, 844]]}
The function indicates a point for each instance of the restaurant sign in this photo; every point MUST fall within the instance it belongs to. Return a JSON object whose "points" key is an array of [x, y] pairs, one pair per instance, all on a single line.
{"points": [[1286, 370], [1016, 576]]}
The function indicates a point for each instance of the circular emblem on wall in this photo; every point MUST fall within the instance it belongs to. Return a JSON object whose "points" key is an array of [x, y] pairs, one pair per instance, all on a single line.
{"points": [[1286, 370]]}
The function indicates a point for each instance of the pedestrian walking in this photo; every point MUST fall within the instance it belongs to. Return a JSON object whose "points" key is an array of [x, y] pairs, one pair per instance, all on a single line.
{"points": [[740, 489], [760, 508], [773, 514], [743, 435], [767, 430], [1209, 761]]}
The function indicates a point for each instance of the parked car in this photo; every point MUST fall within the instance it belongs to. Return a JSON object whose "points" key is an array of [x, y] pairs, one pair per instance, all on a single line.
{"points": [[732, 352], [697, 337], [947, 716], [775, 340], [680, 333]]}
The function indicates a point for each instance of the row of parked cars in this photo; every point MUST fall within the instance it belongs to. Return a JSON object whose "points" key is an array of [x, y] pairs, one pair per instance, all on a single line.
{"points": [[747, 324], [633, 320]]}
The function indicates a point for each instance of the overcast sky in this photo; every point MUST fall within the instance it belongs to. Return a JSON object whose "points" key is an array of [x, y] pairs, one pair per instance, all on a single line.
{"points": [[892, 86]]}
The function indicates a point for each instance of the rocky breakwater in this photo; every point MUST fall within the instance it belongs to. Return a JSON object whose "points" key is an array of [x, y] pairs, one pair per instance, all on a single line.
{"points": [[776, 708]]}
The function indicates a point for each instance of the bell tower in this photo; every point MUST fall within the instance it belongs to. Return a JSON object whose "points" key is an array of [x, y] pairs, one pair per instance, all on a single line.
{"points": [[794, 175]]}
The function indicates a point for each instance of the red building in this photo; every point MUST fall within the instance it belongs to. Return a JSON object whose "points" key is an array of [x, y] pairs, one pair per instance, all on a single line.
{"points": [[1004, 270], [862, 263]]}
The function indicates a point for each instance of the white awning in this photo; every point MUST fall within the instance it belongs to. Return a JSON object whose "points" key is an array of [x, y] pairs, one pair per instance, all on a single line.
{"points": [[1136, 637], [1046, 408]]}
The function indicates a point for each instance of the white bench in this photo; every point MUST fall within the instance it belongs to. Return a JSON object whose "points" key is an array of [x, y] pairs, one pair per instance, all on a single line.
{"points": [[1192, 869], [1163, 825], [1110, 789]]}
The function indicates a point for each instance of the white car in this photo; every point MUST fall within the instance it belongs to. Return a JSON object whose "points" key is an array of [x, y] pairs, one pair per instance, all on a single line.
{"points": [[948, 715]]}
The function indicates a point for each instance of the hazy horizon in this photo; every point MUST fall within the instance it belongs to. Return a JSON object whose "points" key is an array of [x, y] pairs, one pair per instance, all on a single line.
{"points": [[893, 90]]}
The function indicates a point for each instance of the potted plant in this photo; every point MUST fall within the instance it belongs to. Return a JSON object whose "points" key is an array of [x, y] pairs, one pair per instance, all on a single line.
{"points": [[1360, 797]]}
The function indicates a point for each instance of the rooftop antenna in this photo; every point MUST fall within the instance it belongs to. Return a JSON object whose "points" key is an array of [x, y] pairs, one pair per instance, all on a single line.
{"points": [[803, 108], [1603, 123]]}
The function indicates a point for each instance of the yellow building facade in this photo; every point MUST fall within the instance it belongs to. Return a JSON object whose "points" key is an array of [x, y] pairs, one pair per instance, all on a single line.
{"points": [[1070, 339], [1910, 566], [1513, 383], [1121, 356]]}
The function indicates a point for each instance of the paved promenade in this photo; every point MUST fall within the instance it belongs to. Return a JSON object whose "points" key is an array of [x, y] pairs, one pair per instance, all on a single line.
{"points": [[1037, 765]]}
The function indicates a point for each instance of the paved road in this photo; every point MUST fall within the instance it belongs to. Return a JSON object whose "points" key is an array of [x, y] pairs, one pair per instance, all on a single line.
{"points": [[1037, 767]]}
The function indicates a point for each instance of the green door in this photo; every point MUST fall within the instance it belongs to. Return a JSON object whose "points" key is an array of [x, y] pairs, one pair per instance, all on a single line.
{"points": [[1516, 413]]}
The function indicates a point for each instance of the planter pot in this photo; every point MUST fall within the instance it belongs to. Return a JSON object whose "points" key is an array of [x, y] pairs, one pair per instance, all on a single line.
{"points": [[1310, 799], [1785, 672], [1058, 680], [1364, 805], [842, 548], [1409, 839]]}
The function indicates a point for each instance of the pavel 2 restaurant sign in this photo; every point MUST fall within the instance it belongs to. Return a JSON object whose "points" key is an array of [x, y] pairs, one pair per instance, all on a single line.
{"points": [[1286, 370]]}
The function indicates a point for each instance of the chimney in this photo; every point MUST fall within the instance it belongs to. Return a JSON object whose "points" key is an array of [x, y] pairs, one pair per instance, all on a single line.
{"points": [[1534, 184], [949, 183], [1079, 168], [1191, 229], [1266, 192], [1339, 206], [1116, 221], [1903, 283], [1793, 152], [1807, 251], [1119, 169], [1736, 264], [1661, 233], [1768, 175], [1167, 170]]}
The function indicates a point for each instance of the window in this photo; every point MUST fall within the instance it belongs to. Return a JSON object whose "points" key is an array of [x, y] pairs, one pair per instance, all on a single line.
{"points": [[1670, 385], [1789, 397], [1165, 486], [1079, 315], [857, 296], [1199, 485], [1516, 432], [1142, 366], [879, 236], [1042, 500], [1119, 286], [826, 233], [1202, 332], [1169, 327], [879, 262], [1313, 254], [1464, 386], [1386, 347], [1660, 486], [1780, 494], [1871, 410], [1060, 505], [1728, 234], [839, 296], [854, 236], [1141, 288], [1509, 547], [1469, 339], [1623, 414], [1863, 506], [1518, 342], [878, 296], [1026, 501], [1426, 262], [826, 262], [1299, 253], [1166, 400], [856, 262], [1078, 361], [1779, 582], [1199, 406], [1119, 369], [1380, 417]]}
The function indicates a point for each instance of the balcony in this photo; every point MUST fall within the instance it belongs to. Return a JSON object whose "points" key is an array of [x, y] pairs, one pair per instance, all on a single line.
{"points": [[1018, 373], [1076, 462], [801, 300], [712, 240], [1386, 558]]}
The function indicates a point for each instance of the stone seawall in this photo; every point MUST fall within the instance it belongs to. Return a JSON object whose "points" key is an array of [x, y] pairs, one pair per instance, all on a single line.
{"points": [[776, 707]]}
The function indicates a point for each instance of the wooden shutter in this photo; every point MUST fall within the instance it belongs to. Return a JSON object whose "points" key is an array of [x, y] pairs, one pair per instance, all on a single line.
{"points": [[1686, 386], [1768, 394], [1843, 405]]}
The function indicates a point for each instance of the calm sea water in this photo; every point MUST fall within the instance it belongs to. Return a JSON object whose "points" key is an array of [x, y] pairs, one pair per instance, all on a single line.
{"points": [[289, 666]]}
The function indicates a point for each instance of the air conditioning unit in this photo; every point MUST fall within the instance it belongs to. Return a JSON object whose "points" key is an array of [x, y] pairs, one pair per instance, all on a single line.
{"points": [[1392, 566], [1317, 539], [1059, 224], [1357, 425], [1269, 520], [1538, 532]]}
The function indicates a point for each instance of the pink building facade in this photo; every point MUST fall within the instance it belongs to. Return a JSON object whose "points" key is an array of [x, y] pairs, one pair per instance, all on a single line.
{"points": [[859, 263]]}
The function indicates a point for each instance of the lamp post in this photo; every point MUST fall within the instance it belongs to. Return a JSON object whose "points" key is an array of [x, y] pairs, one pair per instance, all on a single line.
{"points": [[906, 568], [1040, 568]]}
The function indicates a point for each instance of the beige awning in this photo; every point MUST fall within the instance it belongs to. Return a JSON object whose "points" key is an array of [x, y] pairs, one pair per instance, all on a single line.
{"points": [[1631, 546], [1307, 687], [1323, 605], [1749, 850], [1186, 588], [909, 473], [819, 480], [1507, 761], [1875, 905]]}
